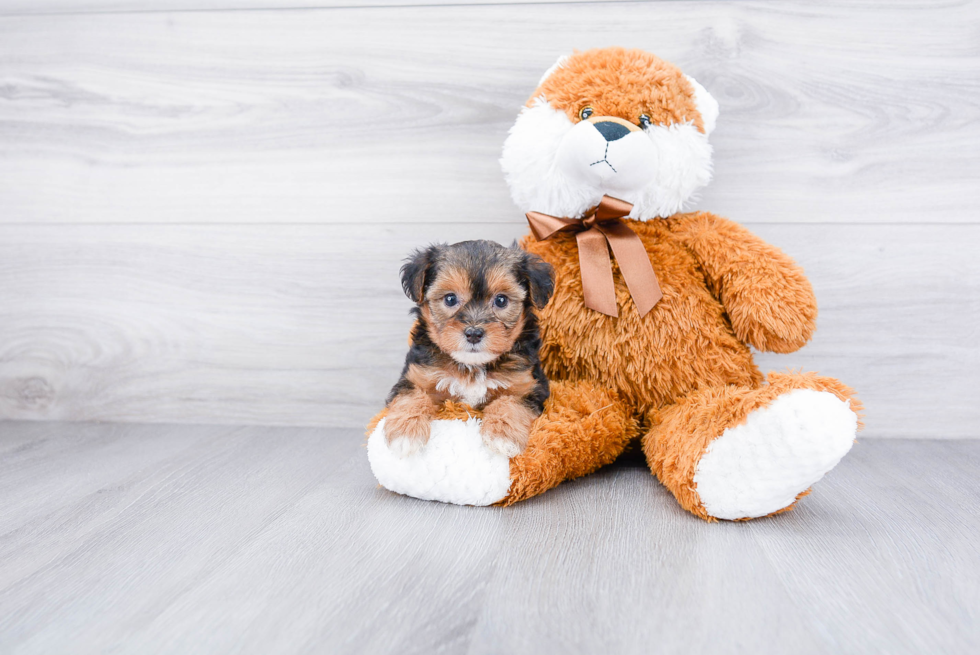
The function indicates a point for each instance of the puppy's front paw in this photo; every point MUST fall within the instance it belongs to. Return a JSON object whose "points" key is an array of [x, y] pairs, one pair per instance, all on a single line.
{"points": [[504, 445], [408, 424], [404, 447], [506, 426], [406, 434]]}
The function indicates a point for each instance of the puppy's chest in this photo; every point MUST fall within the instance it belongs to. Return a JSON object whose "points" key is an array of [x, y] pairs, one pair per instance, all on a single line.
{"points": [[473, 389]]}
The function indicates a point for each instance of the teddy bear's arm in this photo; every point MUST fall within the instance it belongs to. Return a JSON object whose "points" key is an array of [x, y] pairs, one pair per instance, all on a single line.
{"points": [[767, 296]]}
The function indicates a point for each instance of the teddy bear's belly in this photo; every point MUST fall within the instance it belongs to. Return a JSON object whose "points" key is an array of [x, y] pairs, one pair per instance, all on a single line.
{"points": [[685, 343], [654, 365]]}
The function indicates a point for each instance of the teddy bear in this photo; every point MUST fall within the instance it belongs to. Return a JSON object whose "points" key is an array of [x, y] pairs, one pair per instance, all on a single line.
{"points": [[647, 336]]}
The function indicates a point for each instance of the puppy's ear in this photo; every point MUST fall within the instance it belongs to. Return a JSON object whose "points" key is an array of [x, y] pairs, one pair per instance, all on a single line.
{"points": [[539, 277], [417, 269]]}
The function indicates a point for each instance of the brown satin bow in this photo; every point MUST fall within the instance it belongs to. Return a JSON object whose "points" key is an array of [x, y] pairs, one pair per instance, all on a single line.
{"points": [[604, 225]]}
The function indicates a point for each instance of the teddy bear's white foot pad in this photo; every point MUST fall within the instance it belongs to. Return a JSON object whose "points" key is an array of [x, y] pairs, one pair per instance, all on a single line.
{"points": [[781, 450], [455, 466]]}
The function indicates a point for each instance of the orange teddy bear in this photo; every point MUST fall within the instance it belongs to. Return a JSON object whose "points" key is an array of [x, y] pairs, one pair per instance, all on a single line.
{"points": [[653, 342]]}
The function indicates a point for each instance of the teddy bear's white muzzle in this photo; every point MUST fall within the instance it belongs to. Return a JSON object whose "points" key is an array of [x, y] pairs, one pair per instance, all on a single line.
{"points": [[624, 163]]}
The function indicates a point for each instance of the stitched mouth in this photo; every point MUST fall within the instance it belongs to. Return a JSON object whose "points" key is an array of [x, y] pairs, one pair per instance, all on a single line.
{"points": [[604, 160]]}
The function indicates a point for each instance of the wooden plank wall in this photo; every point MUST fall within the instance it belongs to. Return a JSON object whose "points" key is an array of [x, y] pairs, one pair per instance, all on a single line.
{"points": [[202, 213]]}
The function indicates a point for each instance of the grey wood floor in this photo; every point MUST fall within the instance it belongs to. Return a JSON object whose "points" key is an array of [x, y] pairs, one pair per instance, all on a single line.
{"points": [[184, 539]]}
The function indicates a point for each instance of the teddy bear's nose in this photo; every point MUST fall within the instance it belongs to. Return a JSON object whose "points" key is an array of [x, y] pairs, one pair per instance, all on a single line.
{"points": [[610, 130]]}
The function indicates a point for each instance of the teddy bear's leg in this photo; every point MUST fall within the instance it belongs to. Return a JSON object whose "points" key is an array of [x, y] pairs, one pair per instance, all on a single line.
{"points": [[739, 453], [583, 428]]}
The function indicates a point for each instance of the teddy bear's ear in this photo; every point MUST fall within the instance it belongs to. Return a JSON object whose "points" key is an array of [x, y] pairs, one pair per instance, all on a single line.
{"points": [[558, 64], [707, 105], [539, 277], [416, 271]]}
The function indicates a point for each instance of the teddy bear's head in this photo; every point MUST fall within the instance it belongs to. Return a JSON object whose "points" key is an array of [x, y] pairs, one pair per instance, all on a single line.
{"points": [[611, 121]]}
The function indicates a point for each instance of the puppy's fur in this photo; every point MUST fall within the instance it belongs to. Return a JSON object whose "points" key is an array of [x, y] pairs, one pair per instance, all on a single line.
{"points": [[476, 340]]}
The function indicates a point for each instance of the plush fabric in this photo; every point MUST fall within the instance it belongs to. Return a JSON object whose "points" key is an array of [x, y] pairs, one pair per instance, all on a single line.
{"points": [[682, 432], [759, 466], [685, 371], [728, 442], [454, 466], [582, 429]]}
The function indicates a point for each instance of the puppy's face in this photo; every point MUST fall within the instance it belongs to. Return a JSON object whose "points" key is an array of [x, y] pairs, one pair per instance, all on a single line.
{"points": [[474, 296], [611, 121]]}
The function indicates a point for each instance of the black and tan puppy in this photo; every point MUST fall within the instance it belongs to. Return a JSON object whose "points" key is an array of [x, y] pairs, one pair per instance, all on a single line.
{"points": [[476, 341]]}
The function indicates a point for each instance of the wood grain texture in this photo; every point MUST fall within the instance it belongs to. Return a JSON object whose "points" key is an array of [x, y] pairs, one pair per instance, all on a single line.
{"points": [[193, 539], [202, 213], [307, 325], [830, 112], [45, 7]]}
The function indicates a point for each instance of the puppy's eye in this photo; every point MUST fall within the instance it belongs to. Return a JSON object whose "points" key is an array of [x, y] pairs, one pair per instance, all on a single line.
{"points": [[500, 301], [585, 112], [644, 121], [450, 299]]}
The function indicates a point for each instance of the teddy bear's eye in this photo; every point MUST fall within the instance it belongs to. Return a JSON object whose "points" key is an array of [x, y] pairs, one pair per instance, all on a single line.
{"points": [[585, 112], [644, 121]]}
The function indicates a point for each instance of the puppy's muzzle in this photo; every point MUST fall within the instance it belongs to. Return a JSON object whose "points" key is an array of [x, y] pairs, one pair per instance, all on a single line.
{"points": [[474, 334]]}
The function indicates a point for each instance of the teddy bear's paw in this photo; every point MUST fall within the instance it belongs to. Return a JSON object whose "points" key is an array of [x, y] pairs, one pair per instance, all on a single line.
{"points": [[780, 451], [455, 466]]}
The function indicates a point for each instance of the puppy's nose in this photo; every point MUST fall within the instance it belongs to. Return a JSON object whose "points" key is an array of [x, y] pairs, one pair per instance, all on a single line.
{"points": [[611, 131], [474, 334]]}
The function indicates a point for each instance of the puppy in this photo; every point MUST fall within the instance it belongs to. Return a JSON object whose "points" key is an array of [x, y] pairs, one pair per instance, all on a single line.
{"points": [[476, 340]]}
